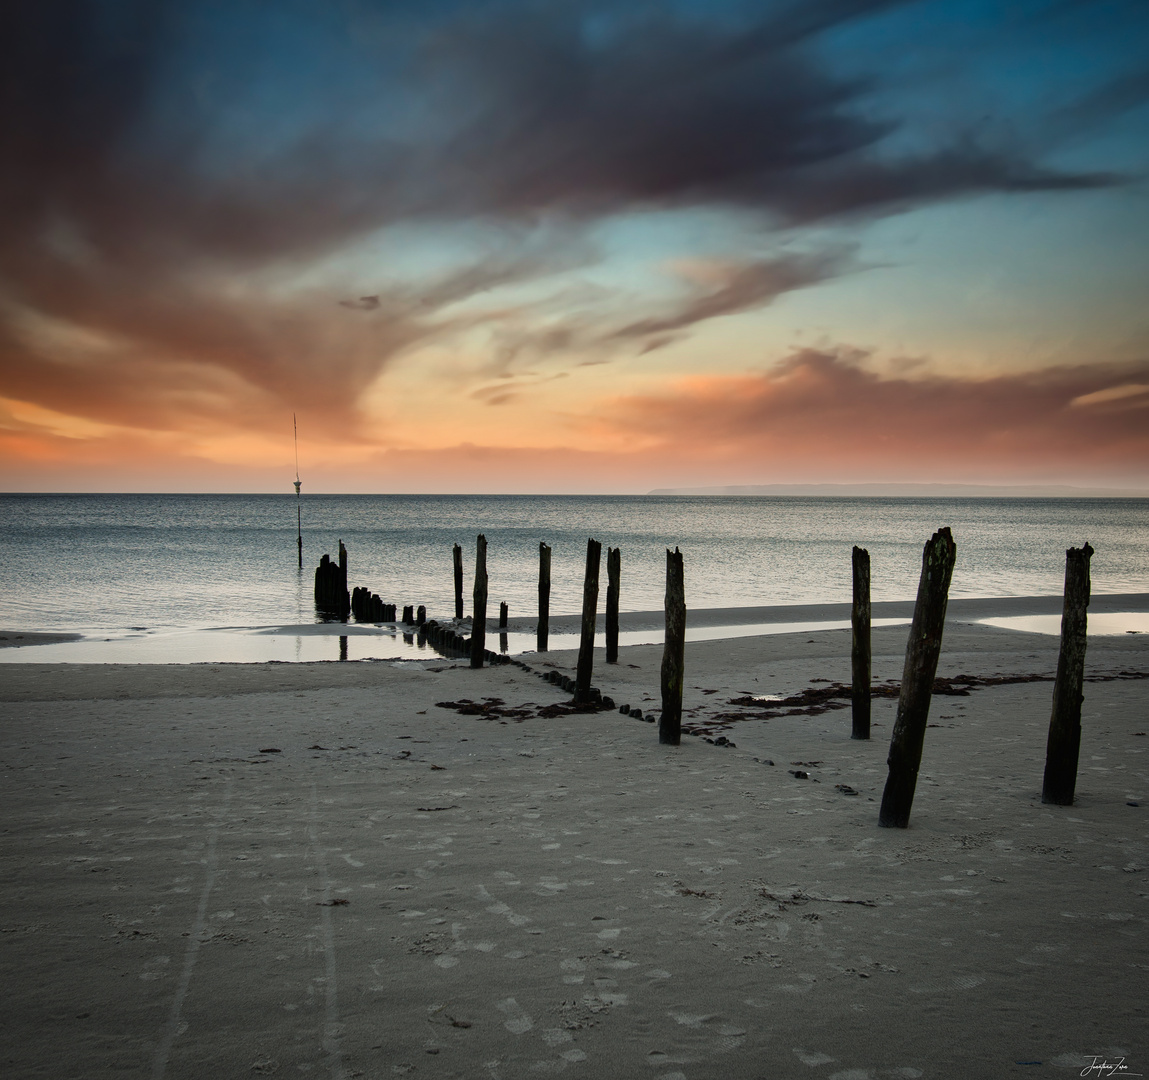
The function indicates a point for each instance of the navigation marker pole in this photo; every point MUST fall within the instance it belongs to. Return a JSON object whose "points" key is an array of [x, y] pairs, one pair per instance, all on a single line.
{"points": [[298, 485]]}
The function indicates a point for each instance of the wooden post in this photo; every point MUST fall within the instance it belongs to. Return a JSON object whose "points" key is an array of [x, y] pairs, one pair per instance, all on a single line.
{"points": [[922, 652], [544, 597], [503, 615], [344, 599], [458, 560], [479, 613], [1064, 742], [613, 575], [860, 645], [589, 615], [673, 652]]}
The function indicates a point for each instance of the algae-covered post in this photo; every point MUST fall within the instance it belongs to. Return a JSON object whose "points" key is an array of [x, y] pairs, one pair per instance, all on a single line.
{"points": [[479, 615], [860, 645], [589, 615], [457, 555], [673, 651], [922, 652], [613, 575], [1064, 742], [544, 597]]}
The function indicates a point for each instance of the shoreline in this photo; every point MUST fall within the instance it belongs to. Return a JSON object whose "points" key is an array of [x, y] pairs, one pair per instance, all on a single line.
{"points": [[1112, 613]]}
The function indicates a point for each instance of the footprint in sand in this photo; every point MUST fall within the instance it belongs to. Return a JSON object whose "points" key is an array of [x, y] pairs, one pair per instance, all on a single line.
{"points": [[517, 1022]]}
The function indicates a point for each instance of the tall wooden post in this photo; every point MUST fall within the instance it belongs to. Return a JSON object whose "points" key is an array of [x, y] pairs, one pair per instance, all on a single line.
{"points": [[613, 576], [860, 645], [458, 559], [544, 597], [589, 615], [479, 615], [922, 652], [673, 652], [503, 615], [344, 599], [1064, 742]]}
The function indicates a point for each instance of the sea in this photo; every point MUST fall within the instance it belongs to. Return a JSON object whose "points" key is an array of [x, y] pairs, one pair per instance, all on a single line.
{"points": [[158, 573]]}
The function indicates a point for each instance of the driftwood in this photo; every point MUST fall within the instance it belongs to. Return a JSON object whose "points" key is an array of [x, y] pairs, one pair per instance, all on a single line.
{"points": [[673, 652], [860, 645], [589, 615], [1064, 742], [922, 652]]}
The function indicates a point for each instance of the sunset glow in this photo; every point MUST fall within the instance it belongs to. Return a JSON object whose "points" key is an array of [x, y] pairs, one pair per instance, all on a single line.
{"points": [[573, 247]]}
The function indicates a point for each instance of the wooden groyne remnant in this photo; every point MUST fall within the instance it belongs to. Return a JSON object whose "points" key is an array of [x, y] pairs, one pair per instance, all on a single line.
{"points": [[366, 606], [613, 579], [860, 646], [503, 615], [544, 627], [331, 595], [673, 651], [479, 612], [585, 668], [1064, 741], [922, 652]]}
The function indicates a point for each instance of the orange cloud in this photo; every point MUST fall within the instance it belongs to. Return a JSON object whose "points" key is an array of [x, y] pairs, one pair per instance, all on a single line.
{"points": [[822, 414]]}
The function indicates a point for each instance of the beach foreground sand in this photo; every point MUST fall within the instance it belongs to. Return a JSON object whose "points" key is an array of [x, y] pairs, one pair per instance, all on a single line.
{"points": [[245, 870]]}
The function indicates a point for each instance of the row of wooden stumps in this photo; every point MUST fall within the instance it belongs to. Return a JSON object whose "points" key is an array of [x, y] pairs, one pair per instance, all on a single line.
{"points": [[922, 653]]}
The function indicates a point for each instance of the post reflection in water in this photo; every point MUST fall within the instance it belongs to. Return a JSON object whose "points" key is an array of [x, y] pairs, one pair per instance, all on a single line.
{"points": [[343, 647]]}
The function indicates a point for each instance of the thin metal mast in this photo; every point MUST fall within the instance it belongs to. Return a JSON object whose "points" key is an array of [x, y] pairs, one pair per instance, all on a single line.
{"points": [[298, 485]]}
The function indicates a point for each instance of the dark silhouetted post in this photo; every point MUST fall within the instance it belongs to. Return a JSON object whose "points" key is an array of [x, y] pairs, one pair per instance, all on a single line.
{"points": [[344, 598], [589, 615], [673, 652], [1064, 741], [860, 645], [544, 597], [613, 575], [458, 557], [503, 615], [479, 615], [922, 652]]}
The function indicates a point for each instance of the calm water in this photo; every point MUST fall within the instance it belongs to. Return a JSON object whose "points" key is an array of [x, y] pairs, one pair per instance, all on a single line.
{"points": [[179, 561]]}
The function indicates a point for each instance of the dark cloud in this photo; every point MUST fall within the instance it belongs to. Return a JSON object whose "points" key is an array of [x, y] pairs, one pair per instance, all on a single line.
{"points": [[735, 287], [147, 167]]}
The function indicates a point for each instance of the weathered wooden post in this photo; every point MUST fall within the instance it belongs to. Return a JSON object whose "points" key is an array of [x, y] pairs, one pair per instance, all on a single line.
{"points": [[479, 613], [922, 652], [673, 651], [1064, 742], [613, 575], [503, 615], [589, 614], [344, 598], [544, 597], [458, 558], [860, 645]]}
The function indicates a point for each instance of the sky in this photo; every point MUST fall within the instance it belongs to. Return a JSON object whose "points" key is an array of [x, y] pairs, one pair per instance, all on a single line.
{"points": [[572, 246]]}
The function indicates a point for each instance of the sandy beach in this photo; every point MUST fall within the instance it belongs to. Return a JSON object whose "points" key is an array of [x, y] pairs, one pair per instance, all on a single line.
{"points": [[317, 869]]}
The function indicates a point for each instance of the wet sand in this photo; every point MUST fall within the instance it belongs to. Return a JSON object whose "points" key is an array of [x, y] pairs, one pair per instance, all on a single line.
{"points": [[313, 869]]}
